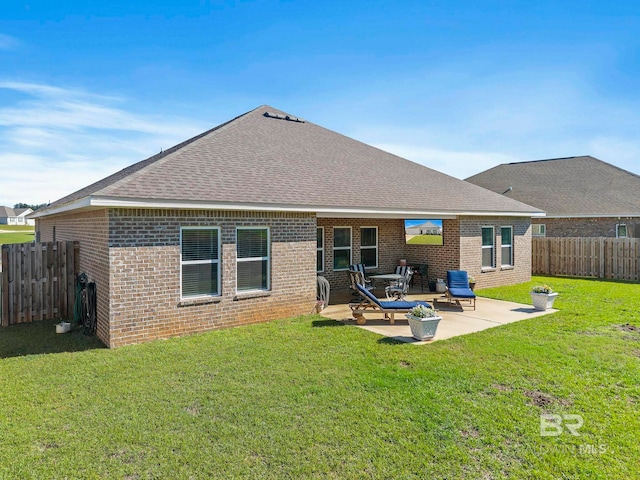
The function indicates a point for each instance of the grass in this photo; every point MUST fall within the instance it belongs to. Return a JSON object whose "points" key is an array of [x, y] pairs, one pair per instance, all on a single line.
{"points": [[308, 397], [425, 240], [16, 234]]}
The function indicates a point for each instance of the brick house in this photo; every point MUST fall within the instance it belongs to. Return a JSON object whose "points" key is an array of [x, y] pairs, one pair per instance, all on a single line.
{"points": [[232, 226], [582, 196]]}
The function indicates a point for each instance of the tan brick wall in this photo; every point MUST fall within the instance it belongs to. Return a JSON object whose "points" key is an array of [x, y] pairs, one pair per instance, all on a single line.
{"points": [[91, 230], [588, 227], [145, 276]]}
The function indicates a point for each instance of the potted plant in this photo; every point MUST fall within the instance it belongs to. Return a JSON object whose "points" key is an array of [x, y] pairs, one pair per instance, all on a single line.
{"points": [[472, 282], [63, 327], [423, 321], [542, 297]]}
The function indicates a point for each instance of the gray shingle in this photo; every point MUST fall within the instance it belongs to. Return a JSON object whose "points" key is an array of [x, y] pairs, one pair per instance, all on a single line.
{"points": [[258, 159], [573, 186]]}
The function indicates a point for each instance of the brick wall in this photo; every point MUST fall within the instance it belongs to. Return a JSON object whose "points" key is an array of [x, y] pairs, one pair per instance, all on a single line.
{"points": [[471, 247], [91, 229], [391, 245], [144, 255], [588, 227]]}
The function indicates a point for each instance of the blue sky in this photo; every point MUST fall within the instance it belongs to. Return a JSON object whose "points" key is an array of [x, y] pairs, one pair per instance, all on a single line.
{"points": [[87, 88]]}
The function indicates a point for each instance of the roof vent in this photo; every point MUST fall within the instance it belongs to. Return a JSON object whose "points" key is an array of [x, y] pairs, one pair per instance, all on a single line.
{"points": [[279, 116]]}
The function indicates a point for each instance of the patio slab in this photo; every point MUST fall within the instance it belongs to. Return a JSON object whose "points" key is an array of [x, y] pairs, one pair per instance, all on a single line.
{"points": [[456, 319]]}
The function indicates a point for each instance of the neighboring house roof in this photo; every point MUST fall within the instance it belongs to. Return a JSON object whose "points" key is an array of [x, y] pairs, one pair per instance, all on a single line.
{"points": [[268, 160], [567, 187], [6, 212], [22, 212]]}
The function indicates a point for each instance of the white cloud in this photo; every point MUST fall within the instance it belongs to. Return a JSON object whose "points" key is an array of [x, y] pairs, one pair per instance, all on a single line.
{"points": [[56, 140]]}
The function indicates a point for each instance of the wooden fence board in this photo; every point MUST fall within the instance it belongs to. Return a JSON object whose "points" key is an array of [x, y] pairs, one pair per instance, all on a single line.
{"points": [[600, 257], [38, 281]]}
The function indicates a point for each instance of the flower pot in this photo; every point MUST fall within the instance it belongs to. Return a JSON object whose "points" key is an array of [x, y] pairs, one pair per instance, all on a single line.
{"points": [[423, 328], [543, 301], [63, 327]]}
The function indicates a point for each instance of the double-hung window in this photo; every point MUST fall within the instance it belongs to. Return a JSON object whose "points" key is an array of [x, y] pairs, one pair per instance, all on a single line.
{"points": [[253, 258], [506, 246], [369, 246], [621, 230], [320, 250], [538, 229], [488, 247], [200, 261], [341, 248]]}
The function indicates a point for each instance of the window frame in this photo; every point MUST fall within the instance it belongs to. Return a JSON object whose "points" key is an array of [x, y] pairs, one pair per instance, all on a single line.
{"points": [[510, 245], [542, 228], [626, 230], [254, 259], [350, 248], [369, 247], [320, 249], [217, 261], [492, 247]]}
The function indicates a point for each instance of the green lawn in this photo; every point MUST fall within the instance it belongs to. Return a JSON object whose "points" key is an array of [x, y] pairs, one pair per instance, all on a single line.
{"points": [[308, 397], [425, 240], [16, 234]]}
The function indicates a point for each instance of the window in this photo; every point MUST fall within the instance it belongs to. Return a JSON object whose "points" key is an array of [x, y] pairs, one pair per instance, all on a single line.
{"points": [[320, 248], [369, 246], [341, 248], [538, 229], [253, 260], [200, 261], [506, 246], [621, 230], [488, 248]]}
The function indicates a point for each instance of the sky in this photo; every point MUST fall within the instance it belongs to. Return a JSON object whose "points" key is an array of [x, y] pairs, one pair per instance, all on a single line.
{"points": [[88, 88]]}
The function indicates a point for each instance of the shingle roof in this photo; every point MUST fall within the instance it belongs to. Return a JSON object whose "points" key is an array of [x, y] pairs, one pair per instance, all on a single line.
{"points": [[565, 187], [262, 158], [7, 212]]}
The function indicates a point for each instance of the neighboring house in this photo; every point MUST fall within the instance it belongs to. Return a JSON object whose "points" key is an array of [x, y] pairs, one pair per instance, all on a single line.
{"points": [[15, 216], [427, 228], [582, 196], [232, 226]]}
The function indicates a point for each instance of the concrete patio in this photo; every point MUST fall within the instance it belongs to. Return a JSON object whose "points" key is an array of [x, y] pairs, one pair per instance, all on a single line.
{"points": [[456, 319]]}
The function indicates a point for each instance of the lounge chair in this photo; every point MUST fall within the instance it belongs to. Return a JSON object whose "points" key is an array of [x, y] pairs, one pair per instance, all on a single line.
{"points": [[370, 301], [458, 287]]}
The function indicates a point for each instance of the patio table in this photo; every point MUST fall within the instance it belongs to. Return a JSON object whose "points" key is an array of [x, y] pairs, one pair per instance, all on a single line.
{"points": [[386, 277]]}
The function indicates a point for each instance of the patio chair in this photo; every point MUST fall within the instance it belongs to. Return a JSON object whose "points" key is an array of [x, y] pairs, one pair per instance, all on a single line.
{"points": [[398, 290], [324, 291], [371, 302], [356, 278], [359, 267], [458, 287]]}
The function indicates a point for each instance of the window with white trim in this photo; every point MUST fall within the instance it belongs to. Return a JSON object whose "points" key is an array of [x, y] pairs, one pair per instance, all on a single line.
{"points": [[488, 247], [253, 260], [341, 248], [369, 246], [621, 230], [320, 250], [506, 246], [200, 261], [538, 229]]}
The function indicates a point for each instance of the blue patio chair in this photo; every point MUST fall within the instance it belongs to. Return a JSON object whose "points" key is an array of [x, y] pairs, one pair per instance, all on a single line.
{"points": [[370, 301], [458, 287]]}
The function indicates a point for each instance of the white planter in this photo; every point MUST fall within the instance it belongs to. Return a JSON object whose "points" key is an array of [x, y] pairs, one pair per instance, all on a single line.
{"points": [[63, 327], [543, 301], [423, 328]]}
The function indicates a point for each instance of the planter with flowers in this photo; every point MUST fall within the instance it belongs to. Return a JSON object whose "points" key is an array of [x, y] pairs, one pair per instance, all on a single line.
{"points": [[423, 321], [543, 297]]}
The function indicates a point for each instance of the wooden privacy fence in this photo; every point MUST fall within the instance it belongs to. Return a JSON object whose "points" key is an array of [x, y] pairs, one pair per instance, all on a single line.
{"points": [[38, 281], [599, 257]]}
